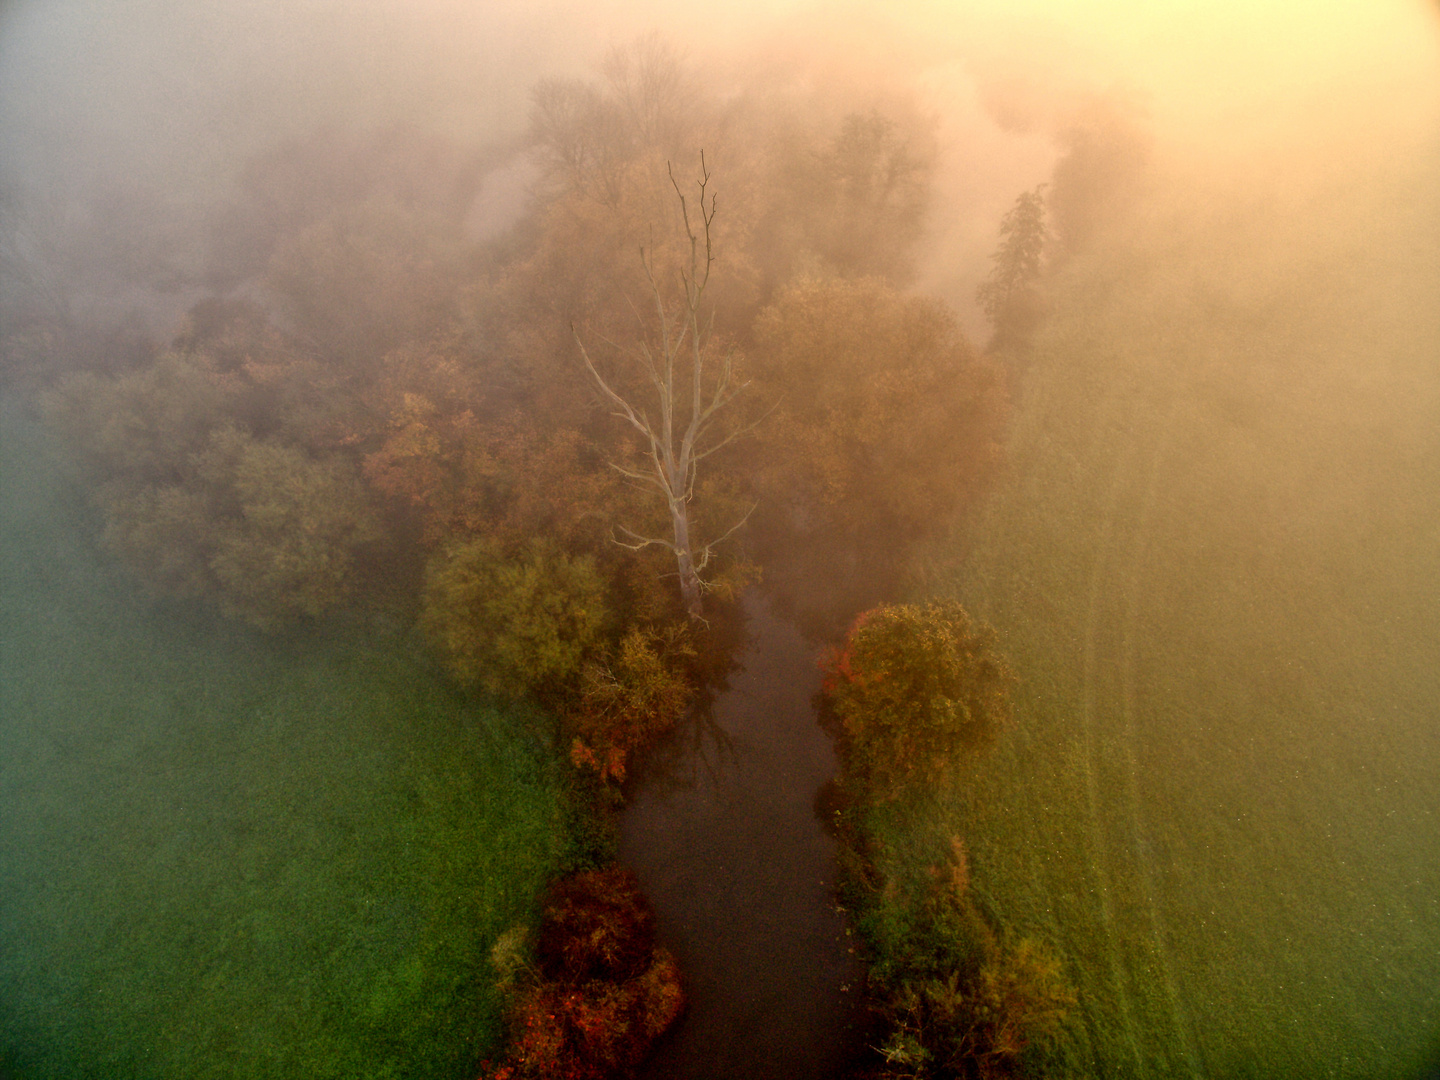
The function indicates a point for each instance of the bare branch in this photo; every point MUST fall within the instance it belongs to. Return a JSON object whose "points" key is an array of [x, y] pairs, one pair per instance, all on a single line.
{"points": [[641, 542], [708, 549], [682, 333]]}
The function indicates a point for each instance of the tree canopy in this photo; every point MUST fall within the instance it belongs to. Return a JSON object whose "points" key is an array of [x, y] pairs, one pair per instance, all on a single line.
{"points": [[514, 624], [885, 417], [912, 688]]}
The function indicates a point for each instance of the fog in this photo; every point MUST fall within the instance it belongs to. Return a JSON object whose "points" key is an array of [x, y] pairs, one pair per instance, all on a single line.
{"points": [[323, 338], [155, 107]]}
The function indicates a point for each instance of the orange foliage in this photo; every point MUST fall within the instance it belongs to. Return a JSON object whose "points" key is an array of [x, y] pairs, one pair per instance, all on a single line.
{"points": [[606, 991], [884, 414], [471, 467], [629, 698]]}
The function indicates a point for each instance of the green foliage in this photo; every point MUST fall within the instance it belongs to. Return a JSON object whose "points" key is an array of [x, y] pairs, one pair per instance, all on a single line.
{"points": [[198, 506], [144, 425], [513, 624], [267, 531], [289, 550], [981, 1026], [165, 534], [955, 997], [1008, 295], [912, 688]]}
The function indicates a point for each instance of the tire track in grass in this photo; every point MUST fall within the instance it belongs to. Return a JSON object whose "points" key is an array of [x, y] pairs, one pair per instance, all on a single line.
{"points": [[1137, 567], [1099, 846]]}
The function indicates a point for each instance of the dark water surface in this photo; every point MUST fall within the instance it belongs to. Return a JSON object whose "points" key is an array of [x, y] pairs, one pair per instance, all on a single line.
{"points": [[727, 844]]}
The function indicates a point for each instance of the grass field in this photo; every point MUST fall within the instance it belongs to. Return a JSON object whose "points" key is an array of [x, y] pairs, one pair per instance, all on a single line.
{"points": [[1216, 567], [223, 855]]}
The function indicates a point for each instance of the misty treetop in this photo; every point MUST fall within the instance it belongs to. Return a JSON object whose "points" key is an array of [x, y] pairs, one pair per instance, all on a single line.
{"points": [[885, 417], [1009, 294]]}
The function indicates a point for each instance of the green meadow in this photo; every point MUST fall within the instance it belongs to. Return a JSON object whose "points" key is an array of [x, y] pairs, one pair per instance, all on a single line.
{"points": [[227, 855], [1215, 566]]}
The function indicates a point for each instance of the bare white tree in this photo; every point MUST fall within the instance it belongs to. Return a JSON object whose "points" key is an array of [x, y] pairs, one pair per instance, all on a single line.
{"points": [[691, 400]]}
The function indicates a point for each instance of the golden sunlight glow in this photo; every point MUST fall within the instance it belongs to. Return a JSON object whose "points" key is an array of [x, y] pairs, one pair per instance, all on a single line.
{"points": [[1193, 62]]}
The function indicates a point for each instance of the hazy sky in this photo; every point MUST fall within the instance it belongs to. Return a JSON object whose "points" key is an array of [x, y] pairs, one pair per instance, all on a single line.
{"points": [[185, 78], [163, 99]]}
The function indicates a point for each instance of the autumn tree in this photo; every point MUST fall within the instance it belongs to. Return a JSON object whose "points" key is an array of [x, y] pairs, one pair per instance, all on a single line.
{"points": [[601, 992], [886, 417], [912, 687], [367, 277], [591, 137], [144, 425], [870, 187], [629, 696], [286, 188], [689, 388], [513, 623], [1106, 150], [463, 473]]}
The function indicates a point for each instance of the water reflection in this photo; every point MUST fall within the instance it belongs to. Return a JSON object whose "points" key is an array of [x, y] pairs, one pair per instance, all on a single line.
{"points": [[723, 832]]}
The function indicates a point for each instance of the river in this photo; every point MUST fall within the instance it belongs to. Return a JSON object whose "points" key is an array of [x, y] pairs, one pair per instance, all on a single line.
{"points": [[723, 833]]}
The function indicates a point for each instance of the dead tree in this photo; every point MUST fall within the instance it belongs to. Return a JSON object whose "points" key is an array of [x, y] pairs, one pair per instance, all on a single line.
{"points": [[690, 400]]}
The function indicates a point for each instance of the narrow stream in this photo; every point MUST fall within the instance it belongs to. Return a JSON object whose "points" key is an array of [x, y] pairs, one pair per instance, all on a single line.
{"points": [[729, 848]]}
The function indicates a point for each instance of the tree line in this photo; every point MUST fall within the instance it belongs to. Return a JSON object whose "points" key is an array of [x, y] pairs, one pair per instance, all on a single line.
{"points": [[369, 405]]}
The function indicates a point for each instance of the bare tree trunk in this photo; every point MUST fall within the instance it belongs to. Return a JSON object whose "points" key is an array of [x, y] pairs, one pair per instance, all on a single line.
{"points": [[685, 563], [688, 416]]}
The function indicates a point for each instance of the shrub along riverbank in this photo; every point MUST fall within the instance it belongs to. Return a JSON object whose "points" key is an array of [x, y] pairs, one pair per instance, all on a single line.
{"points": [[914, 690]]}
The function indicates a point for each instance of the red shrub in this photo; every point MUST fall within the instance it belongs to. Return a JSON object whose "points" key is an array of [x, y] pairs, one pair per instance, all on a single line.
{"points": [[606, 992]]}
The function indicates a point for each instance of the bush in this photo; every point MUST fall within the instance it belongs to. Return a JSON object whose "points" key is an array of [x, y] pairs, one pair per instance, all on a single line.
{"points": [[514, 625], [629, 697], [165, 534], [605, 992], [263, 529], [913, 687], [198, 506], [145, 425], [954, 997], [977, 1026], [290, 549]]}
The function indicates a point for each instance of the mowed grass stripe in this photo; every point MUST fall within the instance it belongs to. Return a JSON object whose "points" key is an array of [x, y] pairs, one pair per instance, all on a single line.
{"points": [[1140, 570], [1105, 877]]}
